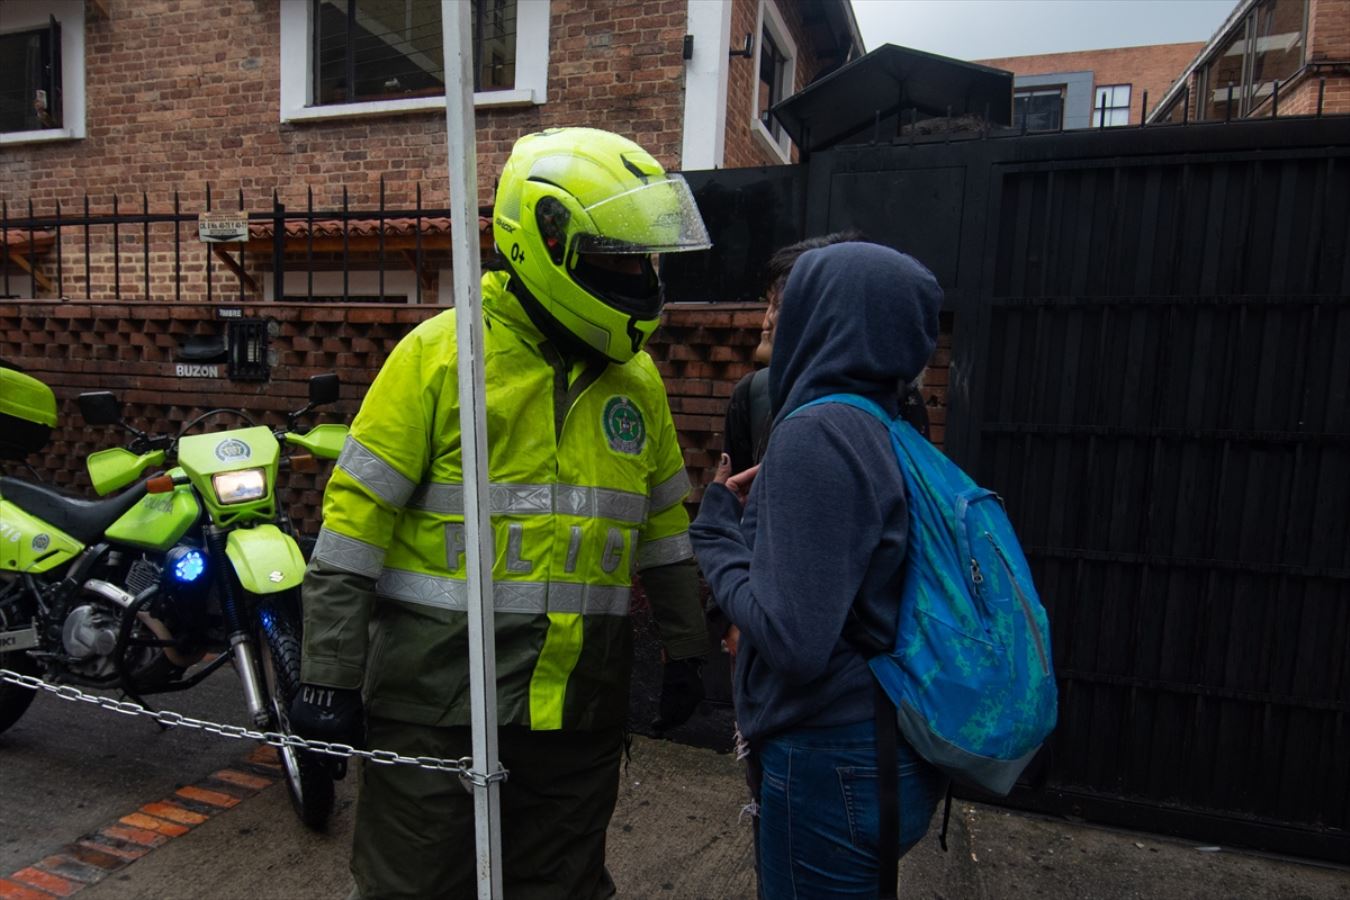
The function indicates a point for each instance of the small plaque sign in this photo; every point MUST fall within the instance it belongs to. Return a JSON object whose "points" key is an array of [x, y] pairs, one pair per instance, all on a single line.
{"points": [[222, 227]]}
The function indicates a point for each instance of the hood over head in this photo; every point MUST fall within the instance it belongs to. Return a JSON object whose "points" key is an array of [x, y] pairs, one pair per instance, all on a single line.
{"points": [[855, 318]]}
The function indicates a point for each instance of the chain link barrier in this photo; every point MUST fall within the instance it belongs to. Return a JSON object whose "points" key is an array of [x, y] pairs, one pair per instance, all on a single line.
{"points": [[463, 767]]}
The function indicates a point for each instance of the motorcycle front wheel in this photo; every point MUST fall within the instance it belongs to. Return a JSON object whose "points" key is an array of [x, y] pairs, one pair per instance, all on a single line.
{"points": [[14, 700], [309, 778]]}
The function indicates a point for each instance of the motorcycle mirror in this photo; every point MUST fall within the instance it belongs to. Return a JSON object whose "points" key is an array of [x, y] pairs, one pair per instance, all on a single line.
{"points": [[100, 408], [324, 388]]}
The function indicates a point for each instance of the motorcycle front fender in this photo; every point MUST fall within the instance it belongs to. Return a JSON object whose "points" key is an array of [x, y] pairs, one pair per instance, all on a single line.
{"points": [[266, 559]]}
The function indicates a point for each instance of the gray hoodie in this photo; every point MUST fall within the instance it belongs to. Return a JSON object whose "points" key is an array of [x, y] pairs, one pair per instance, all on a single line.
{"points": [[818, 551]]}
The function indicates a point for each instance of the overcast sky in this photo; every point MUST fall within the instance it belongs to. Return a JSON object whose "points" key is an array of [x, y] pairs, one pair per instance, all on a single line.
{"points": [[986, 29]]}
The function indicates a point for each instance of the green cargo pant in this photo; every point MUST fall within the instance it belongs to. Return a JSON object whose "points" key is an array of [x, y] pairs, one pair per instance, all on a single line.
{"points": [[414, 827]]}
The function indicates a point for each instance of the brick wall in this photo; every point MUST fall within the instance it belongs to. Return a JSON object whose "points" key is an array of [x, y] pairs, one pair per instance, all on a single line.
{"points": [[1329, 58], [129, 348], [743, 147], [185, 92], [1151, 68], [180, 92]]}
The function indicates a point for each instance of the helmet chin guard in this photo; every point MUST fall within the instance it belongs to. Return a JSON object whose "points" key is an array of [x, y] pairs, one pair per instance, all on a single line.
{"points": [[569, 197]]}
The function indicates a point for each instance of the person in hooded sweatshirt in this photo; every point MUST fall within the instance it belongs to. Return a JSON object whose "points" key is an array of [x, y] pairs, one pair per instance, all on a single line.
{"points": [[806, 555]]}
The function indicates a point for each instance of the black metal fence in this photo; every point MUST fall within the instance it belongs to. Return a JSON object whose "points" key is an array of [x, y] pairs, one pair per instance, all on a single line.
{"points": [[153, 252], [1150, 365]]}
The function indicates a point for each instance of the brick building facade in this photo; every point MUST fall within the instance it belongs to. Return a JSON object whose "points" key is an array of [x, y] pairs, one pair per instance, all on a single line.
{"points": [[1303, 45], [1140, 70], [160, 98], [1269, 58]]}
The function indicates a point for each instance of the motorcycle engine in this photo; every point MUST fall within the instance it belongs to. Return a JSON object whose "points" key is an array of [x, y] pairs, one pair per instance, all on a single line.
{"points": [[89, 636]]}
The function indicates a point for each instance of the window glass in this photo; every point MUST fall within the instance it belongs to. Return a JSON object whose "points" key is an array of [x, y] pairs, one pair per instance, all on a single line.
{"points": [[392, 49], [1111, 102], [1277, 50], [1223, 69], [29, 82], [772, 70], [1176, 110], [1040, 109]]}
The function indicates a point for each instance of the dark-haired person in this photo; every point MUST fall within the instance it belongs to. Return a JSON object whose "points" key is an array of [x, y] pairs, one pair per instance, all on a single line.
{"points": [[806, 556]]}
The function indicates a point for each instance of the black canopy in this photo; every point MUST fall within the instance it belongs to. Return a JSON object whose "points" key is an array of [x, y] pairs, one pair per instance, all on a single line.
{"points": [[871, 96]]}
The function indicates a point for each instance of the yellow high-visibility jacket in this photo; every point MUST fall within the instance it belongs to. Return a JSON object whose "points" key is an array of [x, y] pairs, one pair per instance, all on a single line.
{"points": [[586, 488]]}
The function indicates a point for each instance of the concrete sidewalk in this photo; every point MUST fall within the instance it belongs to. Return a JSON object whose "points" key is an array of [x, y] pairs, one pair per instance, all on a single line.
{"points": [[677, 833]]}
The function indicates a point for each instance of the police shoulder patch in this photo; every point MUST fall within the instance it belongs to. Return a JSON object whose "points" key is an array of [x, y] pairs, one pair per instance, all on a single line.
{"points": [[623, 424]]}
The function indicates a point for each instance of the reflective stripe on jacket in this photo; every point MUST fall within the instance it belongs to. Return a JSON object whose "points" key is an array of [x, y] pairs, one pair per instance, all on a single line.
{"points": [[586, 483]]}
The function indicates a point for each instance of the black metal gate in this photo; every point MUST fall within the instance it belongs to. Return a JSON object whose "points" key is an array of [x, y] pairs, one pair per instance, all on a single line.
{"points": [[1152, 365]]}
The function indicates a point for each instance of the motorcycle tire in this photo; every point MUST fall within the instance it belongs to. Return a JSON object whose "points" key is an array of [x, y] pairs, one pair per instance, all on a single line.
{"points": [[15, 700], [308, 776]]}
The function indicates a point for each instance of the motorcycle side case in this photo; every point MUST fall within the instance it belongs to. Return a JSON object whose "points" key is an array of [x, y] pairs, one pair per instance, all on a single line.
{"points": [[157, 521], [266, 559], [27, 414], [28, 544]]}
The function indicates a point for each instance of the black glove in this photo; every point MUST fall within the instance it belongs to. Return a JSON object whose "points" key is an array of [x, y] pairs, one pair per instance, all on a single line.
{"points": [[681, 692], [329, 714]]}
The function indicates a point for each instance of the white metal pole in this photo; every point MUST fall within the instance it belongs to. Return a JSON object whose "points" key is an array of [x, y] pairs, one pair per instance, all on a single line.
{"points": [[460, 138]]}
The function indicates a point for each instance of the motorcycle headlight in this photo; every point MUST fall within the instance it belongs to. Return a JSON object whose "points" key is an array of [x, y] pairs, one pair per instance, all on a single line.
{"points": [[240, 486]]}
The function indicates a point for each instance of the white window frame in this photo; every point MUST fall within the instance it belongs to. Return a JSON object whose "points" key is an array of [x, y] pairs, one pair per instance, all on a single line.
{"points": [[398, 283], [770, 19], [25, 15], [1111, 108], [297, 70]]}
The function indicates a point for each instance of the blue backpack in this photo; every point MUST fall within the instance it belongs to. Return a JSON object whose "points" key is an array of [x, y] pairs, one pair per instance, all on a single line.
{"points": [[970, 674]]}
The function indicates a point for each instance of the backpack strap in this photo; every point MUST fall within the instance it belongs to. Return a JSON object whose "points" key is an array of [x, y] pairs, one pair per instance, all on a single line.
{"points": [[888, 794], [761, 413], [887, 730]]}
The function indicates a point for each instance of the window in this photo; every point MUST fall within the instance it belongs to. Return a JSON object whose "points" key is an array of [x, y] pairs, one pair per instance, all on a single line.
{"points": [[30, 79], [363, 286], [775, 61], [772, 67], [41, 71], [385, 51], [1038, 109], [1111, 103], [1277, 47], [1265, 47], [1223, 70], [353, 57], [1176, 108]]}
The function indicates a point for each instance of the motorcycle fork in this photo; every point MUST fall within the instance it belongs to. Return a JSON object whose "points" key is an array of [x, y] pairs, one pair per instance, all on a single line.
{"points": [[241, 642]]}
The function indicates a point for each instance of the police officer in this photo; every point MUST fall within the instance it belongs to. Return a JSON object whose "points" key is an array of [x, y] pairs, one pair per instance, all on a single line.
{"points": [[586, 488]]}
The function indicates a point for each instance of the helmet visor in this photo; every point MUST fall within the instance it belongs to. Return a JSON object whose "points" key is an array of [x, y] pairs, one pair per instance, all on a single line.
{"points": [[658, 217]]}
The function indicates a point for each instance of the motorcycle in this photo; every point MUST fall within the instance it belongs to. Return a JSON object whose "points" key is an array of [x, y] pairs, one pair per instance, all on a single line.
{"points": [[155, 588]]}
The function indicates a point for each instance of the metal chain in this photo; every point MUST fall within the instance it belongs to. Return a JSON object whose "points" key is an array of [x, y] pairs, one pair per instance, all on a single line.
{"points": [[462, 767]]}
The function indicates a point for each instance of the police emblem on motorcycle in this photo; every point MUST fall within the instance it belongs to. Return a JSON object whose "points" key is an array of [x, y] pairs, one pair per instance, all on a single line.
{"points": [[40, 543], [624, 428], [231, 450]]}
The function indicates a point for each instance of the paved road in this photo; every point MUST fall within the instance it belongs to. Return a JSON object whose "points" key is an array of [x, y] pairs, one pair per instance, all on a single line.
{"points": [[69, 768]]}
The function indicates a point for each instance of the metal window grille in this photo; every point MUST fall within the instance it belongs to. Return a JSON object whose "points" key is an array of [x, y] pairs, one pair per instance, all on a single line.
{"points": [[247, 350]]}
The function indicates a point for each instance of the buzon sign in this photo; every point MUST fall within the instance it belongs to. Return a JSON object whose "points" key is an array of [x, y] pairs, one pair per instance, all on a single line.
{"points": [[192, 370]]}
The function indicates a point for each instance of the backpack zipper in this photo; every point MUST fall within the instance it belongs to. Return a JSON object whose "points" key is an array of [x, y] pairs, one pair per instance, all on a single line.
{"points": [[1022, 600]]}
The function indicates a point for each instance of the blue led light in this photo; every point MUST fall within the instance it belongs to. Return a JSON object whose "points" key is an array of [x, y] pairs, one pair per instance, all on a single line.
{"points": [[189, 566]]}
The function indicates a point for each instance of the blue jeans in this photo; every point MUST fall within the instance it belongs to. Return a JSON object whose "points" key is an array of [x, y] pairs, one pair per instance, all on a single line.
{"points": [[820, 815]]}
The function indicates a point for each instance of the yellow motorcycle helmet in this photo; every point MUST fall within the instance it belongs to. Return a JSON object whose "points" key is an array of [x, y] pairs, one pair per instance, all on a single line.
{"points": [[571, 200]]}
